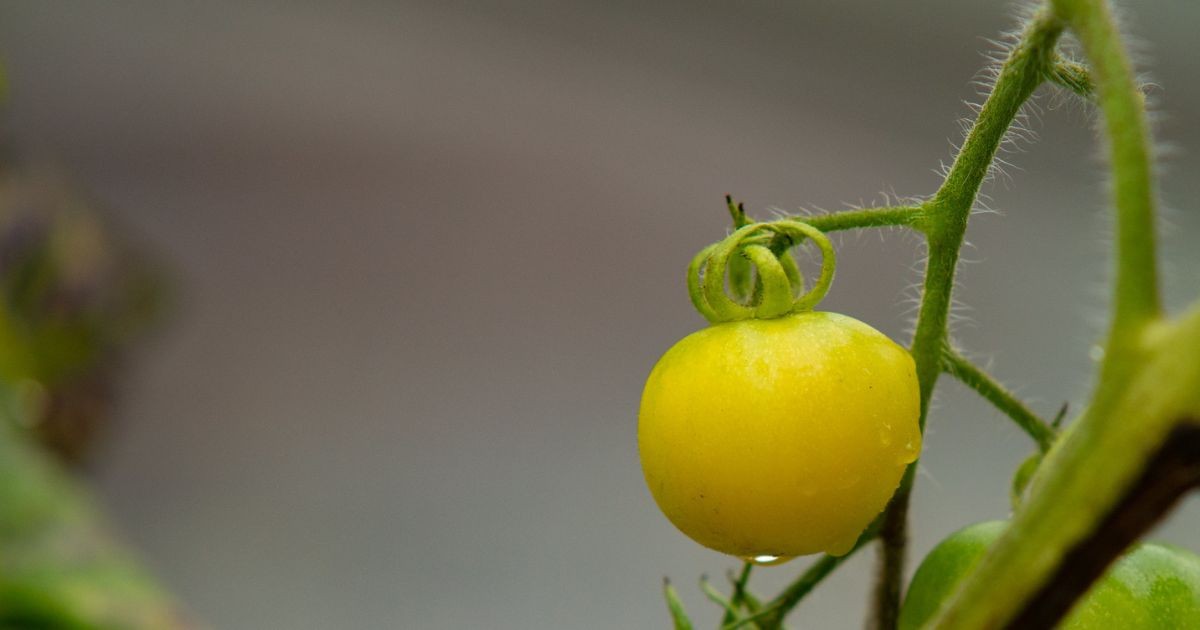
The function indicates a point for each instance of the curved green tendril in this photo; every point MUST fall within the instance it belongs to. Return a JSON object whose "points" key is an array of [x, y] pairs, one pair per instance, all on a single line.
{"points": [[779, 287]]}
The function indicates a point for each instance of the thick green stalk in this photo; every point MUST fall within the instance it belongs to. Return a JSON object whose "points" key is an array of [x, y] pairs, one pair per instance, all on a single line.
{"points": [[945, 223], [1083, 477], [1136, 300], [1149, 380]]}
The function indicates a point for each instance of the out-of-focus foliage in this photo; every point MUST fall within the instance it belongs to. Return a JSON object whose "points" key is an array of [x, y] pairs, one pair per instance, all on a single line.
{"points": [[59, 565], [72, 296]]}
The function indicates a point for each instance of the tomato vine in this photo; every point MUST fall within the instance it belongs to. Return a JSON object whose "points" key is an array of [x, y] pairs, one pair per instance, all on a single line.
{"points": [[1149, 382]]}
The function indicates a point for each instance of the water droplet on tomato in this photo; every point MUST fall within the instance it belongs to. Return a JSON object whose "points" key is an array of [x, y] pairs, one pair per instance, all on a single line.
{"points": [[847, 482], [886, 434], [909, 453], [767, 560]]}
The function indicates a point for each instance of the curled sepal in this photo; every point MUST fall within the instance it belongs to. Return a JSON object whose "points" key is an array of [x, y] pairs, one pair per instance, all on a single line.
{"points": [[1022, 477], [719, 301], [675, 606], [779, 288], [775, 297], [741, 278], [796, 231], [695, 291]]}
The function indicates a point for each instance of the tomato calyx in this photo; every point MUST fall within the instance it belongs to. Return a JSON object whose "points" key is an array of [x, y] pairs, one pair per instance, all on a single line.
{"points": [[778, 289]]}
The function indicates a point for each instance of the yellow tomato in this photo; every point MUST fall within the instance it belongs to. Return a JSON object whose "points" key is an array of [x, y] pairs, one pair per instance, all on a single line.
{"points": [[773, 438]]}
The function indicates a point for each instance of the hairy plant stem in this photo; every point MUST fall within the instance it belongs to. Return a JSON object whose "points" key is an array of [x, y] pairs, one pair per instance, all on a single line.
{"points": [[904, 216], [889, 216], [1105, 469], [991, 390], [1148, 390], [1136, 300], [945, 223], [1074, 76]]}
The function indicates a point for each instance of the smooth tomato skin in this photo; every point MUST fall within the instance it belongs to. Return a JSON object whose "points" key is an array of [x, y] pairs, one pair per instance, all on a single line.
{"points": [[779, 437], [1152, 586]]}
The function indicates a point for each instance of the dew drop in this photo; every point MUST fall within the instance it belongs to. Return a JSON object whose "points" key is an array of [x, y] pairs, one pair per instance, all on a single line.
{"points": [[886, 435], [847, 482], [766, 560], [908, 454]]}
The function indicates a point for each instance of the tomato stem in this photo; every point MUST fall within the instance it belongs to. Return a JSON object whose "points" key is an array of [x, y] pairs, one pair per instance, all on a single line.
{"points": [[974, 377], [945, 223], [778, 608], [1149, 386], [717, 598], [1073, 76], [739, 592], [890, 216], [1171, 472]]}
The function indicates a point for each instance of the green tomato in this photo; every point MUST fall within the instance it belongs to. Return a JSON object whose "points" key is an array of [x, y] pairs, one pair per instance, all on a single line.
{"points": [[1152, 586]]}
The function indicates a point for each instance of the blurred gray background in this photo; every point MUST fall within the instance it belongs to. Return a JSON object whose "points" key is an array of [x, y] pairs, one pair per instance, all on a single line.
{"points": [[428, 252]]}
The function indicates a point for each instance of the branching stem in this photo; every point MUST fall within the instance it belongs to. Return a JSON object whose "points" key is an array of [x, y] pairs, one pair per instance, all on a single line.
{"points": [[945, 223], [972, 376], [1148, 379], [1148, 391], [1073, 76], [890, 216], [777, 609]]}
